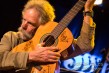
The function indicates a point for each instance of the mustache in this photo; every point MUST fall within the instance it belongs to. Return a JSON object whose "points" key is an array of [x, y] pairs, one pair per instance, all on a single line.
{"points": [[24, 33]]}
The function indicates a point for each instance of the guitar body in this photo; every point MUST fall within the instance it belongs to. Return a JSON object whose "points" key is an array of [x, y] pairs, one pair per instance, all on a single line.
{"points": [[64, 40]]}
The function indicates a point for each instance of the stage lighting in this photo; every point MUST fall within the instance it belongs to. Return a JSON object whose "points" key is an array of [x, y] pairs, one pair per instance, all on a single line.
{"points": [[98, 2]]}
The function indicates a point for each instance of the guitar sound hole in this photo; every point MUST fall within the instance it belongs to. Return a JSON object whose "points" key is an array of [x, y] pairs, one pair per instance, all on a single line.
{"points": [[49, 40]]}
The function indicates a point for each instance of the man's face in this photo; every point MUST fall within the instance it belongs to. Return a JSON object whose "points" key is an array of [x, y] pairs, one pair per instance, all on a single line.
{"points": [[30, 22]]}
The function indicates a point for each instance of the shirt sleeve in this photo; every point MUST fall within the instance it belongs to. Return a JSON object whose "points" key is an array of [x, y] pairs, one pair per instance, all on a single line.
{"points": [[8, 59], [85, 42]]}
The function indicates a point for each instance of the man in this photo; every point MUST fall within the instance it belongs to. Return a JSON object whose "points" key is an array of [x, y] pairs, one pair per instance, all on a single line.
{"points": [[34, 14]]}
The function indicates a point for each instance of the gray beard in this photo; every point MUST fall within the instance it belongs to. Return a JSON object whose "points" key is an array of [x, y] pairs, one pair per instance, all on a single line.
{"points": [[24, 35]]}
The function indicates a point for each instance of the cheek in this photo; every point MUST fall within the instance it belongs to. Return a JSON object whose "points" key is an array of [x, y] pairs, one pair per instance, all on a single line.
{"points": [[31, 30]]}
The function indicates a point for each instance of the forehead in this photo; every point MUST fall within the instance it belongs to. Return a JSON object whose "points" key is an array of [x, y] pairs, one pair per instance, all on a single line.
{"points": [[31, 12]]}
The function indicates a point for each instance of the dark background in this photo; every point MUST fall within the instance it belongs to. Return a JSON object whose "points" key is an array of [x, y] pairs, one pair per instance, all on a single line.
{"points": [[10, 16], [10, 19]]}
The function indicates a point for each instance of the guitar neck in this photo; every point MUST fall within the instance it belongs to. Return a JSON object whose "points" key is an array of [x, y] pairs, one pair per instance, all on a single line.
{"points": [[67, 18]]}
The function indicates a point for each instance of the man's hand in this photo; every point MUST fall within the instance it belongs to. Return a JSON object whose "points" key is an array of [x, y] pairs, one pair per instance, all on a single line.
{"points": [[44, 54], [89, 5]]}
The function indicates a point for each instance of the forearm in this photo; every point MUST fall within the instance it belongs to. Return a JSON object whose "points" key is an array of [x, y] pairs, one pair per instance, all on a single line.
{"points": [[86, 39]]}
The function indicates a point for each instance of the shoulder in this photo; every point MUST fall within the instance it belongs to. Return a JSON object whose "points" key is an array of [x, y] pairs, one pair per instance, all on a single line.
{"points": [[11, 38], [10, 33]]}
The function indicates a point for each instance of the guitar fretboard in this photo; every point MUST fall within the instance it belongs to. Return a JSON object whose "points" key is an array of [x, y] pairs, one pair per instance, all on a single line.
{"points": [[67, 18]]}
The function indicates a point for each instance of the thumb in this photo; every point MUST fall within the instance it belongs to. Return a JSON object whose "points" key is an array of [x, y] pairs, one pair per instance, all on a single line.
{"points": [[41, 45]]}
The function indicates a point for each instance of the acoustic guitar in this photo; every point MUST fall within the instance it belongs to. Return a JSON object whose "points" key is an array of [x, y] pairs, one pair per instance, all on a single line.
{"points": [[52, 33]]}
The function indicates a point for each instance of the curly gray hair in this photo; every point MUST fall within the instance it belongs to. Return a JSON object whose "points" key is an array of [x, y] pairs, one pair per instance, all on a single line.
{"points": [[45, 9]]}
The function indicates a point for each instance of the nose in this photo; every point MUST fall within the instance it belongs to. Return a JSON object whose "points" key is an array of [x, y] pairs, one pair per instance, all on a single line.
{"points": [[24, 24]]}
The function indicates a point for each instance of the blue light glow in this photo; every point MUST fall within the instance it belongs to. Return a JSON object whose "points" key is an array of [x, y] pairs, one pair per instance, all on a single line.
{"points": [[83, 63]]}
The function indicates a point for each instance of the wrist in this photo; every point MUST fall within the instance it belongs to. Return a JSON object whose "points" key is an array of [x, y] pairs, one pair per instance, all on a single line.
{"points": [[88, 9], [88, 13]]}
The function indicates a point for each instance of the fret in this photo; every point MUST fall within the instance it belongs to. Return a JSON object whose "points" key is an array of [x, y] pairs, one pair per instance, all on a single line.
{"points": [[67, 18]]}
